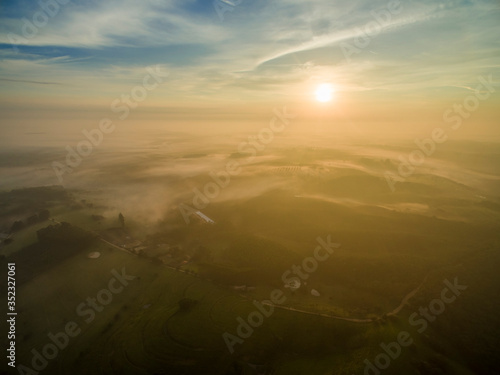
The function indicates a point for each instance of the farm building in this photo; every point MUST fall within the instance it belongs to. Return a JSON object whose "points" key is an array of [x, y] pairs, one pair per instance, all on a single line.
{"points": [[205, 217]]}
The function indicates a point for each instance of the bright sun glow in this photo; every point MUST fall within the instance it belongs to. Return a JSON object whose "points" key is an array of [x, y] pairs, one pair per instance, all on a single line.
{"points": [[324, 93]]}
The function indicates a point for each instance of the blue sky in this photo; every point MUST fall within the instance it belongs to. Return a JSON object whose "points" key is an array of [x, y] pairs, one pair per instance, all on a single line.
{"points": [[262, 50]]}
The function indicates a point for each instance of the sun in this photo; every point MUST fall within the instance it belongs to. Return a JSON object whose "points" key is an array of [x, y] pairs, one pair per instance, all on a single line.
{"points": [[324, 93]]}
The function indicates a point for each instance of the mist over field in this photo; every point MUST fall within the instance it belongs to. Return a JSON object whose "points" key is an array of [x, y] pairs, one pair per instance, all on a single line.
{"points": [[250, 187]]}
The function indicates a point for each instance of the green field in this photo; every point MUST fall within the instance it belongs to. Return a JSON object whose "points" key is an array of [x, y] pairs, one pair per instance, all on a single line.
{"points": [[193, 281]]}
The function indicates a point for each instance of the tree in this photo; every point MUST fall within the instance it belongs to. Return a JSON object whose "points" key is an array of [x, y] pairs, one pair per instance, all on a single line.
{"points": [[18, 225], [33, 219], [43, 215], [121, 219], [63, 233]]}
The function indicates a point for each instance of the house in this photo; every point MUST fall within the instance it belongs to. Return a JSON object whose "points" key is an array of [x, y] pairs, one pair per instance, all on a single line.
{"points": [[205, 217]]}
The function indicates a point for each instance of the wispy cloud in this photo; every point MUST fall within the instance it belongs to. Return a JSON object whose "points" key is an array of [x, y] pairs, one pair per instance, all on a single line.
{"points": [[116, 24], [261, 48], [26, 81]]}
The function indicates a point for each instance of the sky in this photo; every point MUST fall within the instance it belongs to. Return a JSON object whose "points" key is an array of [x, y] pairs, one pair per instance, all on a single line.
{"points": [[68, 61]]}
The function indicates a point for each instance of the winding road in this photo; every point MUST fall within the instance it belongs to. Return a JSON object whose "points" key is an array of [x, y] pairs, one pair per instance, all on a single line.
{"points": [[404, 301], [394, 312]]}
